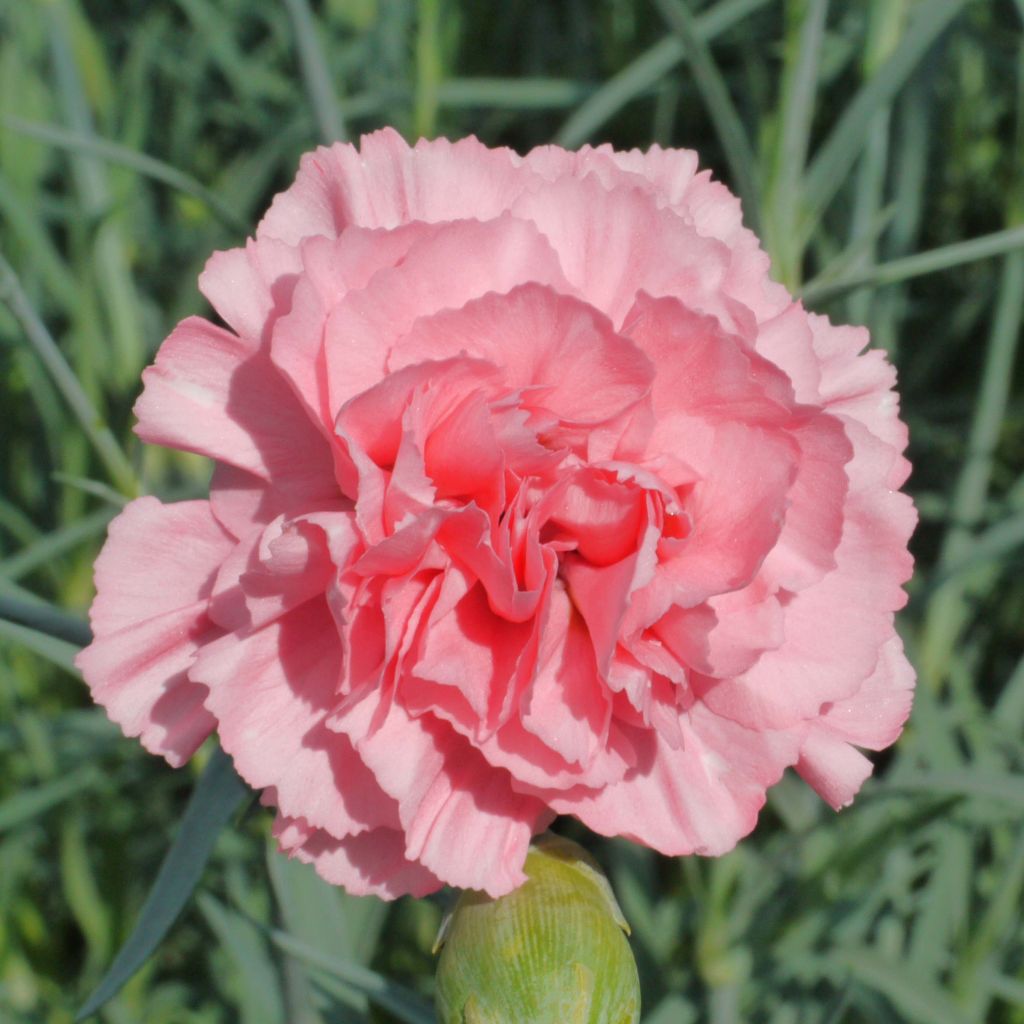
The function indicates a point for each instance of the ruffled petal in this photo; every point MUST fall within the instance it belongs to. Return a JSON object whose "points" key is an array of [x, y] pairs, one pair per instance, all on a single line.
{"points": [[149, 619], [271, 692], [369, 864]]}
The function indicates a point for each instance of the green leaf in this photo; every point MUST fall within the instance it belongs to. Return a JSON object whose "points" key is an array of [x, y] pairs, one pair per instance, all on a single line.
{"points": [[915, 997], [259, 990], [59, 652], [646, 71], [932, 261], [324, 915], [142, 163], [673, 1009], [402, 1003], [316, 73], [117, 464], [30, 803], [510, 93], [715, 92], [215, 799], [45, 618], [840, 151], [1007, 789], [51, 545]]}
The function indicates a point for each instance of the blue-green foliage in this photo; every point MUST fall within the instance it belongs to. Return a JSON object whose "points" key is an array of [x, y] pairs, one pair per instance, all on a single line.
{"points": [[870, 139]]}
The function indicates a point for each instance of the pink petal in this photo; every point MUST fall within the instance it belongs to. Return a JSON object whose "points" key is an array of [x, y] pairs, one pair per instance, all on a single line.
{"points": [[585, 372], [702, 369], [565, 705], [249, 287], [271, 692], [615, 243], [738, 510], [149, 617], [369, 864], [208, 393], [495, 255], [467, 647], [726, 636], [834, 769], [873, 717], [158, 558], [701, 797], [814, 518], [279, 568], [386, 183], [330, 269], [139, 676], [461, 817]]}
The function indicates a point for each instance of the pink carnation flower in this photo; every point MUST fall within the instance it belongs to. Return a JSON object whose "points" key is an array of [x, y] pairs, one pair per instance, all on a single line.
{"points": [[533, 495]]}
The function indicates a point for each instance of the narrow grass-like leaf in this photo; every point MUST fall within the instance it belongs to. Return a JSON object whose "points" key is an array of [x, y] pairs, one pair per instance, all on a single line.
{"points": [[59, 652], [25, 223], [112, 264], [124, 156], [839, 152], [946, 257], [44, 618], [215, 799], [94, 487], [14, 297], [404, 1004], [672, 1009], [1007, 789], [429, 67], [947, 610], [1009, 711], [32, 802], [715, 92], [260, 999], [943, 903], [799, 87], [324, 915], [991, 545], [510, 93], [915, 997], [53, 545], [316, 73], [1000, 921], [646, 71], [80, 889]]}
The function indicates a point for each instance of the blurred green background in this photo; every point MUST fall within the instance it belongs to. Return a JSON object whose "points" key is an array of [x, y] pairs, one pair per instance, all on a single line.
{"points": [[870, 140]]}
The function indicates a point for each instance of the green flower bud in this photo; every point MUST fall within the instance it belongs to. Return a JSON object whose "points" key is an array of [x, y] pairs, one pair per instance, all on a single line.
{"points": [[551, 952]]}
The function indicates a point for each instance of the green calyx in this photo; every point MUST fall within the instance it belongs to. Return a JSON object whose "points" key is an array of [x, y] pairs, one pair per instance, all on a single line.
{"points": [[554, 951]]}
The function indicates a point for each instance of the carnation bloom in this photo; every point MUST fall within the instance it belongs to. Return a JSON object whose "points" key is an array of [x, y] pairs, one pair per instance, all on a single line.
{"points": [[534, 495]]}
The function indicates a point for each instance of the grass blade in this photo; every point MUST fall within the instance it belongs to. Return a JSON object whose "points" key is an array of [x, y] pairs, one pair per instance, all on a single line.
{"points": [[839, 152], [947, 610], [30, 803], [59, 652], [257, 982], [316, 74], [52, 545], [142, 163], [799, 88], [44, 618], [214, 801], [407, 1006], [646, 71], [932, 261], [14, 297], [915, 997], [728, 126], [510, 93]]}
